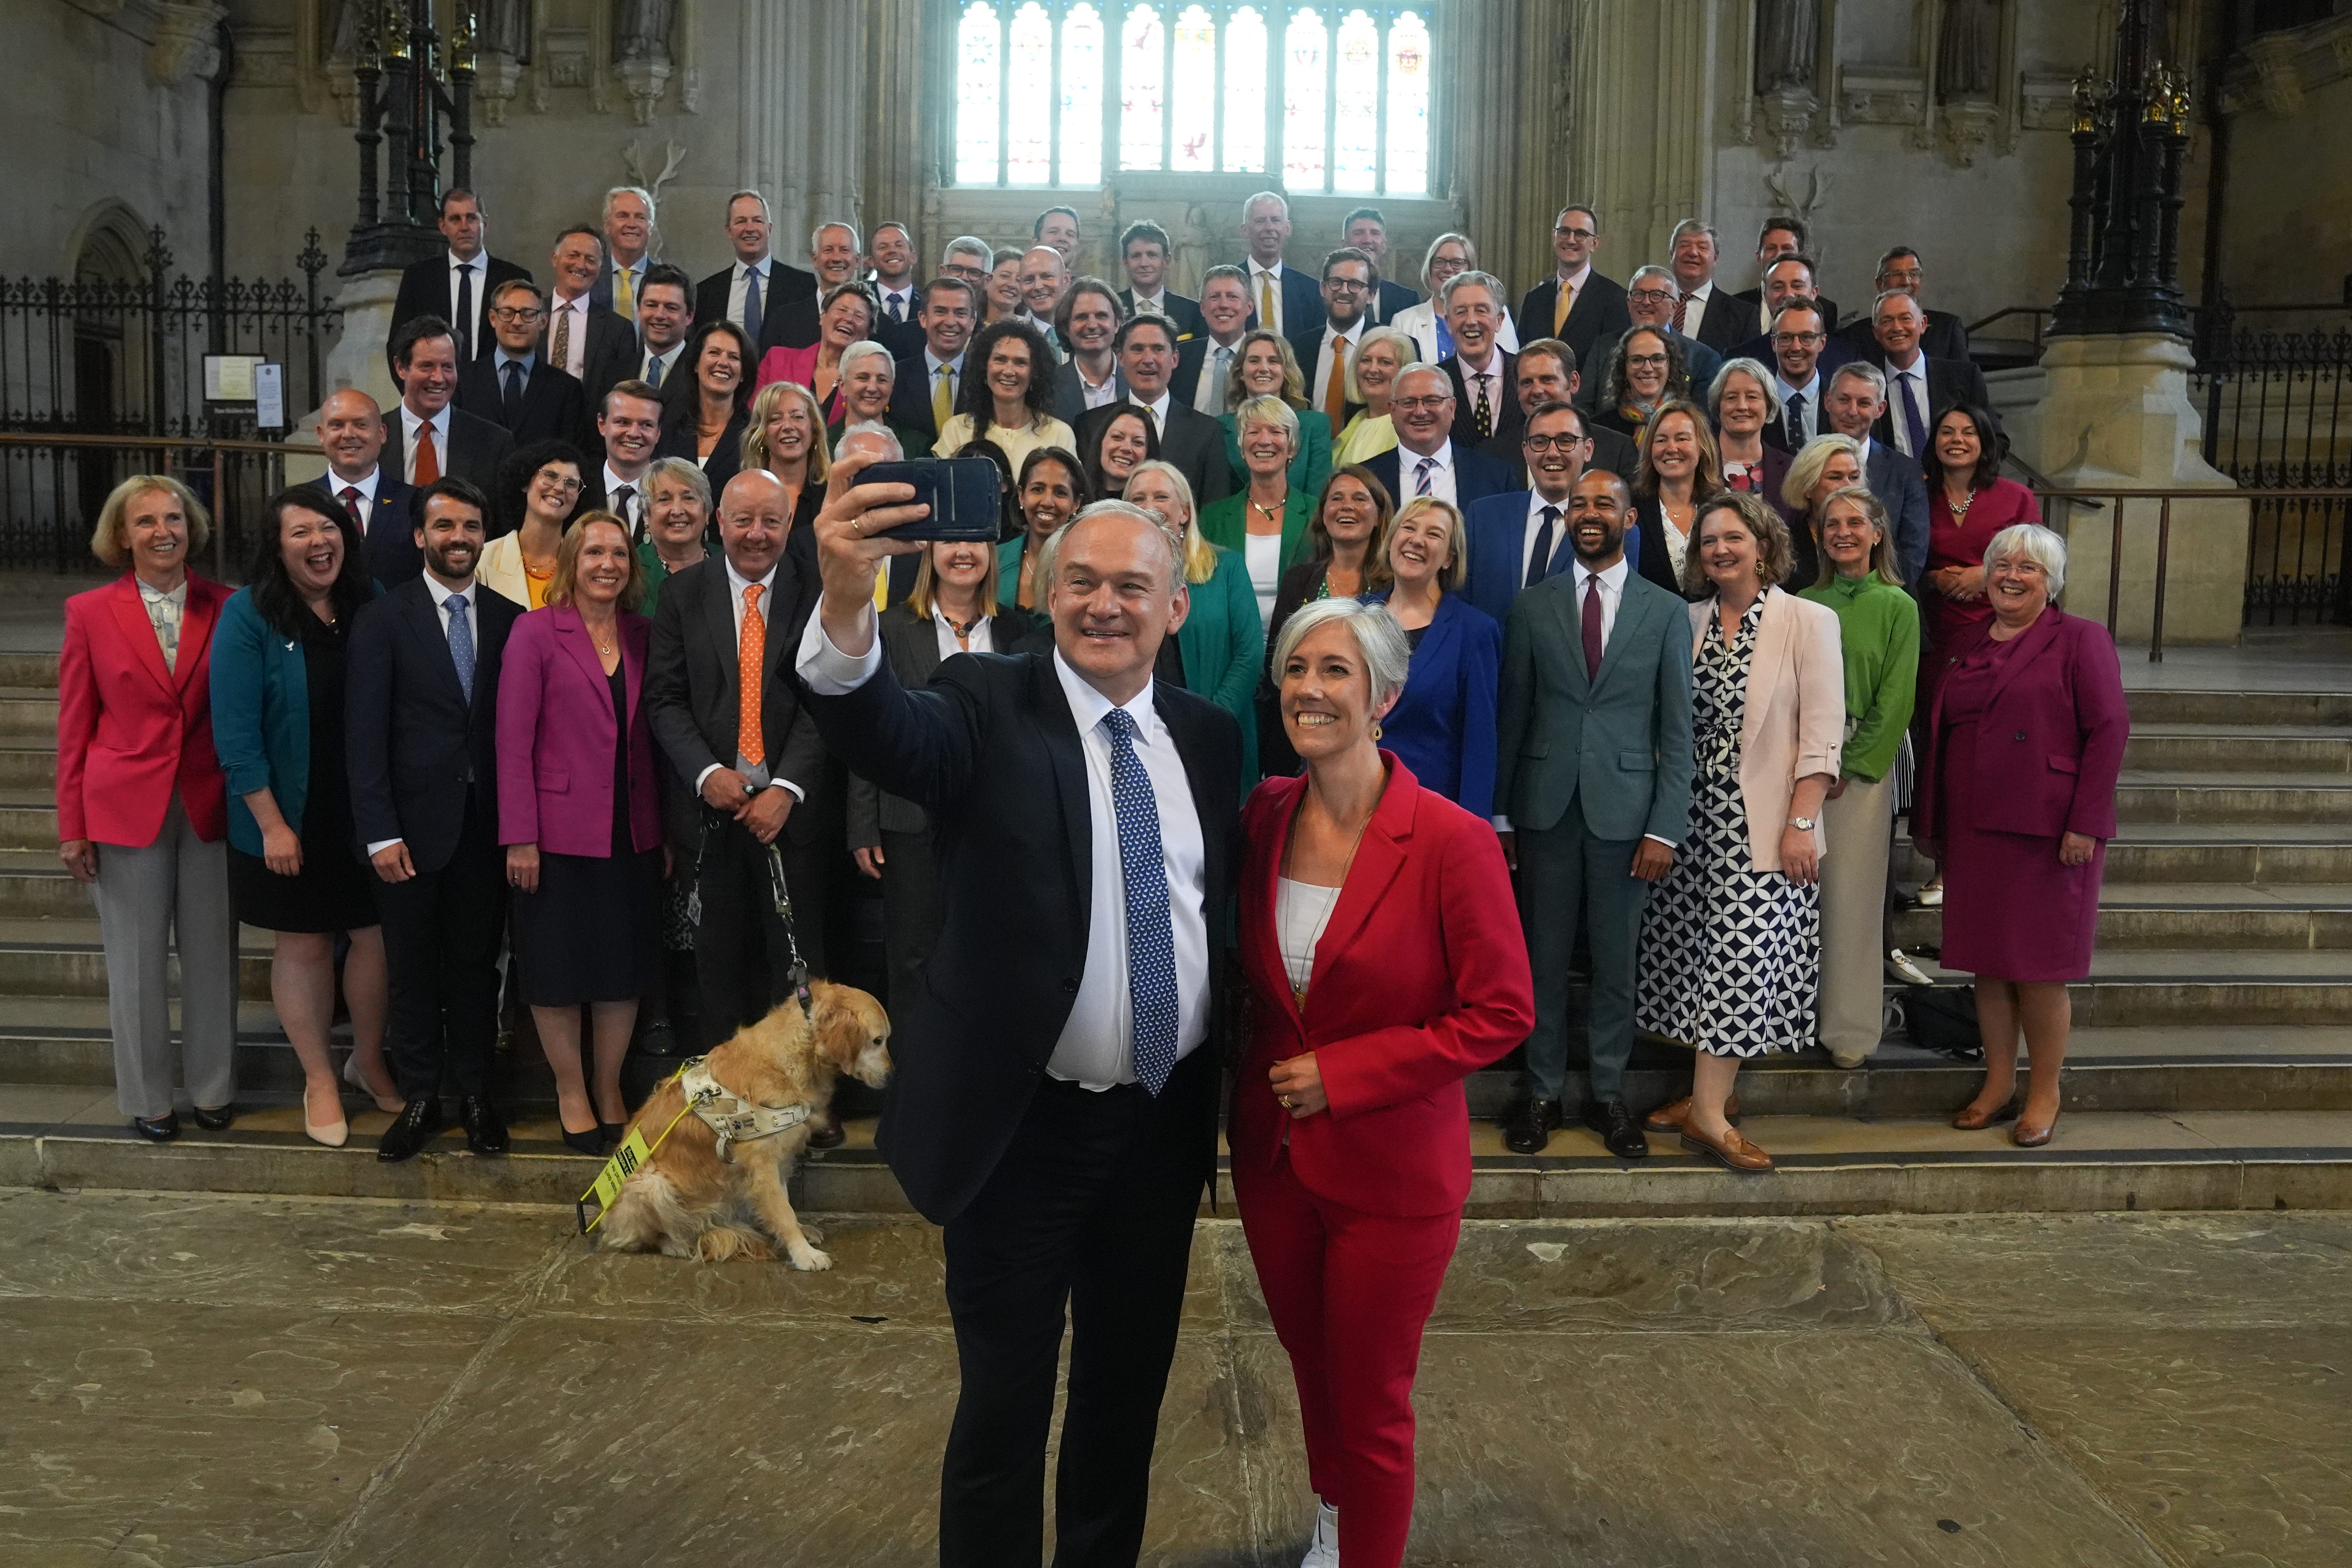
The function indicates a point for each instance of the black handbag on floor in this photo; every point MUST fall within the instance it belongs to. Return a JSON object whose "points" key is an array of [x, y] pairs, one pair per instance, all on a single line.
{"points": [[1943, 1019]]}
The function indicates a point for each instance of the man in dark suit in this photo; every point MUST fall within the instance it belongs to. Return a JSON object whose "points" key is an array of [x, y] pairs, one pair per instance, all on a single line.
{"points": [[1051, 1105], [1294, 298], [1366, 230], [1917, 383], [587, 342], [628, 236], [834, 258], [1143, 251], [1791, 278], [1485, 378], [1425, 459], [891, 256], [1546, 372], [421, 703], [457, 285], [922, 396], [515, 388], [1188, 438], [1518, 538], [1780, 238], [747, 771], [1707, 311], [1652, 297], [374, 496], [1204, 366], [628, 432], [1800, 371], [1899, 272], [751, 291], [1856, 405], [1087, 319], [1323, 350], [428, 438], [1595, 311]]}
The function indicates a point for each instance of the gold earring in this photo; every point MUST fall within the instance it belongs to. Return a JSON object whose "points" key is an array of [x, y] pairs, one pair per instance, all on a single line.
{"points": [[1375, 730]]}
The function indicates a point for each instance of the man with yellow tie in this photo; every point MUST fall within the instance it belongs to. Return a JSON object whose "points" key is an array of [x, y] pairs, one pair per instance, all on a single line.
{"points": [[1282, 299], [1581, 307], [1325, 350], [922, 397], [628, 248]]}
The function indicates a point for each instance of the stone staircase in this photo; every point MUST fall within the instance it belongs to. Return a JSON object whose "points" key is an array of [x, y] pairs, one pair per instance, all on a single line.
{"points": [[2212, 1064]]}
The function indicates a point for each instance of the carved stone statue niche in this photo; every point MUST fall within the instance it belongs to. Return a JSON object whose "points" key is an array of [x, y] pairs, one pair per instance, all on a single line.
{"points": [[1787, 45]]}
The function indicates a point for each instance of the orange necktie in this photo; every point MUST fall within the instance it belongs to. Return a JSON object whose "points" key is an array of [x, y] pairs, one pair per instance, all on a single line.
{"points": [[428, 462], [751, 659], [1335, 396]]}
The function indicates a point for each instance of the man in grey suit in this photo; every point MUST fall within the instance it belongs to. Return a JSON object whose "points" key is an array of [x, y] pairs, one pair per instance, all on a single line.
{"points": [[1855, 403], [1594, 769]]}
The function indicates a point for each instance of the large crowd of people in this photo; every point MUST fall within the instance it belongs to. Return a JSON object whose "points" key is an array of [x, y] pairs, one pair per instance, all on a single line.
{"points": [[585, 683]]}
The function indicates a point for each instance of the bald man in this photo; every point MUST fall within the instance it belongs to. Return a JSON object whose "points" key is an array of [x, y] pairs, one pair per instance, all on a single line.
{"points": [[376, 498]]}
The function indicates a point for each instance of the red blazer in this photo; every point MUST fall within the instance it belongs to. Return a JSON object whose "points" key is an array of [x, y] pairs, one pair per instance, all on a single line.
{"points": [[1420, 979], [129, 730], [2051, 746], [556, 736]]}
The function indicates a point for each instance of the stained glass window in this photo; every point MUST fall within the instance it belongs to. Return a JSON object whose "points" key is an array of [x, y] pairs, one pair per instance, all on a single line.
{"points": [[1326, 97]]}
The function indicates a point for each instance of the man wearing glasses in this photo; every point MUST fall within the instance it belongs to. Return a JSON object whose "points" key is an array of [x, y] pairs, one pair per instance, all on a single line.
{"points": [[1651, 295], [1942, 336], [516, 388], [1576, 304], [1786, 281], [1797, 339], [1518, 538], [1325, 351]]}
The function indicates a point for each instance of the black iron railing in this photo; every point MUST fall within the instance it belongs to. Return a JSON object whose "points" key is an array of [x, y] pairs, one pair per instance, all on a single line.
{"points": [[2278, 420]]}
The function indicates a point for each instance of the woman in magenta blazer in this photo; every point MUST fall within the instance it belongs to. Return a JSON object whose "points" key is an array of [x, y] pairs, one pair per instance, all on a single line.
{"points": [[578, 817], [2017, 800], [1385, 955], [143, 812]]}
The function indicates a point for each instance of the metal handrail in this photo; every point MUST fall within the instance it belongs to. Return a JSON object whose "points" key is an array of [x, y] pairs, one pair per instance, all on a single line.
{"points": [[217, 447]]}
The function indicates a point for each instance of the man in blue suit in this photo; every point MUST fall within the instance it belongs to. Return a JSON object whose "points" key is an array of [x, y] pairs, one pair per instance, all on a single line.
{"points": [[1519, 538], [1593, 791], [1855, 402], [1425, 461], [1296, 298], [371, 493]]}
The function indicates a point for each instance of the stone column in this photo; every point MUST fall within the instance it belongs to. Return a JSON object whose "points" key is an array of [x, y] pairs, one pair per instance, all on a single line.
{"points": [[1510, 129]]}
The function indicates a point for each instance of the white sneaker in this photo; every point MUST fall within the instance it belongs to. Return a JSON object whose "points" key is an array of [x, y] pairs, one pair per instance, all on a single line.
{"points": [[1323, 1549]]}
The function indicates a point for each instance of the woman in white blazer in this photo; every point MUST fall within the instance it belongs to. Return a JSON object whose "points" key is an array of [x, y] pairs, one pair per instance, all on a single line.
{"points": [[1731, 942], [1448, 254]]}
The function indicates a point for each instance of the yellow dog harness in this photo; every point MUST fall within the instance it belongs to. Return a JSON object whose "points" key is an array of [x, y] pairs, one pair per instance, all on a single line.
{"points": [[734, 1119]]}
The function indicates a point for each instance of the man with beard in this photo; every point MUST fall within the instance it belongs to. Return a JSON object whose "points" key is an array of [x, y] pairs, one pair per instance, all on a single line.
{"points": [[1596, 678], [422, 702]]}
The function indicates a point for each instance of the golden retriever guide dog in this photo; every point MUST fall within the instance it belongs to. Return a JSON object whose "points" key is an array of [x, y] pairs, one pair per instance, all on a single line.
{"points": [[687, 1201]]}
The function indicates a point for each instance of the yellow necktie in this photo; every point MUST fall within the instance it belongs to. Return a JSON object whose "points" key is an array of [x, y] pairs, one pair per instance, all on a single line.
{"points": [[624, 299], [1335, 396], [1266, 302], [942, 401], [1560, 307]]}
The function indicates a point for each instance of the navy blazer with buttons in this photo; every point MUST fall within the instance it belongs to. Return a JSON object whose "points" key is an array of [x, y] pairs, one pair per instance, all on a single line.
{"points": [[1442, 726], [1497, 529]]}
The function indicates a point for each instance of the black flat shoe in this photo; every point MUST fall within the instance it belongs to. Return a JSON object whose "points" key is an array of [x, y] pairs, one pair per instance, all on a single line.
{"points": [[486, 1132], [215, 1121], [1617, 1129], [1528, 1128], [410, 1130], [157, 1129], [589, 1142]]}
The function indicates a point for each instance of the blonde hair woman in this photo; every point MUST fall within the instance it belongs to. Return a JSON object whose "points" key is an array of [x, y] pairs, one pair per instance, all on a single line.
{"points": [[1380, 357], [1265, 522], [1264, 366], [1443, 728], [1221, 642], [786, 437]]}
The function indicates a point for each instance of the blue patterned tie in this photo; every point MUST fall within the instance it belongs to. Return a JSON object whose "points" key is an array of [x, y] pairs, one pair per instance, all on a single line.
{"points": [[461, 644], [1151, 941]]}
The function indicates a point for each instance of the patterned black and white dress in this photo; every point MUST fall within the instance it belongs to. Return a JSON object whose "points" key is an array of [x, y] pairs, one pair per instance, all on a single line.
{"points": [[1730, 955]]}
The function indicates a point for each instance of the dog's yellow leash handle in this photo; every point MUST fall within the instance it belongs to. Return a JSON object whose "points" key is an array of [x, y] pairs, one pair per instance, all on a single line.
{"points": [[627, 1161]]}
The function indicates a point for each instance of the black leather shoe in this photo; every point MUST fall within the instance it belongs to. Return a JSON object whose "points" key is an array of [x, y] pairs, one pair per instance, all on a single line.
{"points": [[826, 1134], [589, 1142], [157, 1129], [612, 1132], [486, 1132], [1617, 1129], [659, 1039], [410, 1130], [1528, 1128], [215, 1121]]}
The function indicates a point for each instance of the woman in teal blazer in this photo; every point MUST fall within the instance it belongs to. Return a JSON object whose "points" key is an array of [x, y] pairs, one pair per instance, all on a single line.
{"points": [[1267, 368], [1221, 641]]}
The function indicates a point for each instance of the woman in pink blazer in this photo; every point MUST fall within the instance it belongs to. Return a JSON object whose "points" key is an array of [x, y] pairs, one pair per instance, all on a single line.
{"points": [[578, 817], [142, 809], [1385, 960], [1731, 943]]}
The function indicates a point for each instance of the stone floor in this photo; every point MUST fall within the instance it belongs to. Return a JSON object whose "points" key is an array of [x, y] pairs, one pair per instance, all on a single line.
{"points": [[195, 1381]]}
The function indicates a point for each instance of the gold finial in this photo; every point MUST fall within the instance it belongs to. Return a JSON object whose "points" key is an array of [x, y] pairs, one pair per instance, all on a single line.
{"points": [[395, 25], [2087, 101]]}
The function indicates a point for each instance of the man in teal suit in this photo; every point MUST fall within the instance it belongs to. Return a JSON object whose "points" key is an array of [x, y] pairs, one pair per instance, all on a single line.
{"points": [[1593, 772]]}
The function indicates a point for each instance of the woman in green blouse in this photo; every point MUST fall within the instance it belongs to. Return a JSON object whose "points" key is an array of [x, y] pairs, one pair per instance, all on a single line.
{"points": [[1265, 523], [1221, 643], [1267, 368], [1878, 630]]}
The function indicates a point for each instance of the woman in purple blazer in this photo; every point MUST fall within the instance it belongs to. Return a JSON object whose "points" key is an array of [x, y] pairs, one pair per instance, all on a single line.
{"points": [[2017, 800], [578, 817]]}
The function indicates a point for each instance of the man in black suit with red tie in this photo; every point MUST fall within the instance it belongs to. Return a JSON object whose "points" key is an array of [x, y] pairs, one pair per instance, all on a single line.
{"points": [[427, 436], [457, 284], [1595, 310], [515, 388], [1899, 271], [751, 291]]}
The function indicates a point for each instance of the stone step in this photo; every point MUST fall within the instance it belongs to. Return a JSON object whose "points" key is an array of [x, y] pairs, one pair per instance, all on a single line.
{"points": [[2190, 915], [2239, 749], [2212, 800], [2267, 855], [65, 957], [74, 1138], [32, 671], [33, 884], [2217, 707], [28, 714]]}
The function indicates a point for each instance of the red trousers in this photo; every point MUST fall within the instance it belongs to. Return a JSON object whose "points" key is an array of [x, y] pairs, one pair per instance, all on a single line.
{"points": [[1349, 1292]]}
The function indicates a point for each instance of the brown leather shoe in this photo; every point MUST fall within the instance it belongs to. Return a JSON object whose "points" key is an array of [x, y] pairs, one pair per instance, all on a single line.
{"points": [[1971, 1120], [1670, 1118], [1735, 1154], [2026, 1136]]}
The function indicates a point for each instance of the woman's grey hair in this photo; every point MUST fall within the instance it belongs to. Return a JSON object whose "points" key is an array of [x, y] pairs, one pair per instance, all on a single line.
{"points": [[684, 471], [867, 348], [1268, 410], [1805, 467], [1752, 369], [2034, 542], [1388, 656]]}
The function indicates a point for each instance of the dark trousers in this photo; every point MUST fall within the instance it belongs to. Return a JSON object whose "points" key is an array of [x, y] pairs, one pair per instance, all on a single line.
{"points": [[912, 910], [441, 935], [740, 955], [1090, 1211], [1564, 872]]}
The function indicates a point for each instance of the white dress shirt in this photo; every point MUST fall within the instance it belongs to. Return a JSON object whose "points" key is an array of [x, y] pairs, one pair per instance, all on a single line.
{"points": [[904, 294], [633, 510], [366, 485], [1158, 410], [931, 364], [753, 769], [1260, 279], [982, 639], [1535, 526], [442, 594], [1916, 374], [739, 291], [1572, 286], [575, 350], [1151, 304], [668, 360], [411, 422], [1493, 378], [1441, 474], [1695, 307], [1811, 391], [480, 266], [1320, 386], [1217, 361], [635, 273], [1096, 394], [1096, 1048]]}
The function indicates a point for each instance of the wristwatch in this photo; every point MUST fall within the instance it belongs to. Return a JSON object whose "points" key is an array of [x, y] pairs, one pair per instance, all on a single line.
{"points": [[1802, 824]]}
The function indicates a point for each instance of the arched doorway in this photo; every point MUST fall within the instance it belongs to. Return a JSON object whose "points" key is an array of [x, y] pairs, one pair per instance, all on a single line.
{"points": [[111, 346]]}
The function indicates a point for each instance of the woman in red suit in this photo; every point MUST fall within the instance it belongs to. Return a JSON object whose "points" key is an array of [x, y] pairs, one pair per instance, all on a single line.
{"points": [[1968, 503], [142, 809], [1384, 954], [579, 816], [2018, 799]]}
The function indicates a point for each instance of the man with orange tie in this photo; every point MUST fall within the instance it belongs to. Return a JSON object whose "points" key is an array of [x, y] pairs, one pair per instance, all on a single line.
{"points": [[1581, 308], [727, 711], [430, 439], [1326, 350]]}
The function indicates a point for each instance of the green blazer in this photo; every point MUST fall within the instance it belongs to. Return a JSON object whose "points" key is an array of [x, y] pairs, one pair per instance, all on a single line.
{"points": [[261, 718], [1225, 524], [1223, 644], [1619, 747], [1309, 471]]}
